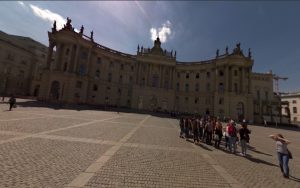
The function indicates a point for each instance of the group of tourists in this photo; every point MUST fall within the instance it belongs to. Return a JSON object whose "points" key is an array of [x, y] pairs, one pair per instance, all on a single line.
{"points": [[210, 130]]}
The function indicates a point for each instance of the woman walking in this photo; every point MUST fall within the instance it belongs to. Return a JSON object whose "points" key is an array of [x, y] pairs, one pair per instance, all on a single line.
{"points": [[218, 134], [282, 153], [244, 138]]}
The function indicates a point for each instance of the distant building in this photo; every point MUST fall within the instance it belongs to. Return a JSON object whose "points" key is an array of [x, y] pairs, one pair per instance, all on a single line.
{"points": [[21, 61], [84, 72], [292, 109]]}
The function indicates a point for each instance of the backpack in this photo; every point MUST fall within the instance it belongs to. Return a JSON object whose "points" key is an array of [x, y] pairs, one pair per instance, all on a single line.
{"points": [[232, 131]]}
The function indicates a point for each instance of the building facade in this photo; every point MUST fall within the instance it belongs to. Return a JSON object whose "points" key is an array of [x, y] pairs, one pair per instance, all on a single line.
{"points": [[21, 61], [84, 72], [292, 106]]}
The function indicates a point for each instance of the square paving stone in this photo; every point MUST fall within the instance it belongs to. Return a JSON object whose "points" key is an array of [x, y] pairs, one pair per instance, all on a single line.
{"points": [[159, 136], [38, 125], [135, 167], [35, 162], [100, 130], [6, 136]]}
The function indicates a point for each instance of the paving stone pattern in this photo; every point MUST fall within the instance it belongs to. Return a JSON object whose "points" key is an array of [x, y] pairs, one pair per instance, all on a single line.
{"points": [[46, 146]]}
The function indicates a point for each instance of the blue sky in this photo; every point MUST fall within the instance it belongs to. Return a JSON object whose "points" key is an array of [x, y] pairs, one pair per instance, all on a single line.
{"points": [[195, 29]]}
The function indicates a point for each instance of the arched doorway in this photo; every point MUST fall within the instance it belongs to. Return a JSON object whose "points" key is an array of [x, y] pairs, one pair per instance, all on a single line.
{"points": [[240, 110], [54, 91], [36, 91]]}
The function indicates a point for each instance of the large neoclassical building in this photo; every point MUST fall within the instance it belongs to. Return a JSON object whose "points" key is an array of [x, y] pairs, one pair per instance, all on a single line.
{"points": [[79, 70]]}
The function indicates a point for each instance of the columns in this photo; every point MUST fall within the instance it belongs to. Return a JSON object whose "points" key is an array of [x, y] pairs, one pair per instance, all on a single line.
{"points": [[243, 80], [76, 59], [50, 53], [250, 81], [226, 78]]}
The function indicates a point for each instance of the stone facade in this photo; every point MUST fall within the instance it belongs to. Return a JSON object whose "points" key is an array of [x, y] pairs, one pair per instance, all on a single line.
{"points": [[86, 72], [292, 102], [21, 61]]}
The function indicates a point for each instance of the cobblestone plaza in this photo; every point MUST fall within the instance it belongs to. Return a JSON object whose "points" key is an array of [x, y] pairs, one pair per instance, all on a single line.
{"points": [[42, 146]]}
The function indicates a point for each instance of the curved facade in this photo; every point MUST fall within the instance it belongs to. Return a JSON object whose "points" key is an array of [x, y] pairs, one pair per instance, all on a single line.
{"points": [[82, 71]]}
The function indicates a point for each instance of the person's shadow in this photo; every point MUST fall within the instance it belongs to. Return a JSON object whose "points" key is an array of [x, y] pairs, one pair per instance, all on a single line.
{"points": [[294, 179]]}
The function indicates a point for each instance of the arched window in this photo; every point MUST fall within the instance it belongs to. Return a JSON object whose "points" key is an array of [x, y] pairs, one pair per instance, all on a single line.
{"points": [[97, 74]]}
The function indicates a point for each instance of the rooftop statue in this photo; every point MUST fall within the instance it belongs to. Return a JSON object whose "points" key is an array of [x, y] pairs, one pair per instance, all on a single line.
{"points": [[249, 53], [81, 29], [226, 50], [54, 27], [217, 53]]}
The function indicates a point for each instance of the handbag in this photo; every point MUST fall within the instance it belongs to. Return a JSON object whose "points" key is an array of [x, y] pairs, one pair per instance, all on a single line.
{"points": [[290, 154]]}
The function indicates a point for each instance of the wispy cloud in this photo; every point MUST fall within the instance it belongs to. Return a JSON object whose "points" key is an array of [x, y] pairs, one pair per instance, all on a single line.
{"points": [[47, 15], [21, 3], [162, 32]]}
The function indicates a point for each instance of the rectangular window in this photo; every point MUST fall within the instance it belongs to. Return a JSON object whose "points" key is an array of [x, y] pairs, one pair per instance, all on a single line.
{"points": [[197, 76], [178, 74], [187, 76], [235, 87], [120, 79], [122, 67], [295, 110], [207, 74], [99, 60], [186, 87], [177, 86], [155, 81], [95, 87], [267, 95], [78, 84], [109, 79], [258, 95], [294, 102]]}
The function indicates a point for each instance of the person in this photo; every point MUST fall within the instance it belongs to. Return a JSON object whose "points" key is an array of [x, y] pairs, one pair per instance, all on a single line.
{"points": [[195, 130], [12, 102], [282, 153], [181, 124], [3, 98], [186, 128], [232, 132], [226, 135], [218, 134], [209, 131], [244, 138]]}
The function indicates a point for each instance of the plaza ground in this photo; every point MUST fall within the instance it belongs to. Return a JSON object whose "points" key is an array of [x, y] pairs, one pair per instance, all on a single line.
{"points": [[45, 146]]}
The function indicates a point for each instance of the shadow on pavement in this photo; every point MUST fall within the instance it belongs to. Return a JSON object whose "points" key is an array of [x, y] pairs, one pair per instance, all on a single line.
{"points": [[294, 179], [82, 107], [256, 160], [256, 151]]}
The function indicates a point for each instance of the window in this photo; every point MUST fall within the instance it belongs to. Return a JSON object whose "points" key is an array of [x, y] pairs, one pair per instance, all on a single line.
{"points": [[81, 70], [295, 110], [143, 82], [108, 88], [83, 55], [65, 67], [78, 84], [197, 87], [132, 67], [119, 91], [67, 51], [221, 87], [166, 84], [197, 76], [258, 95], [120, 79], [21, 74], [122, 67], [186, 99], [99, 60], [221, 101], [196, 100], [221, 73], [207, 87], [109, 79], [235, 87], [178, 74], [187, 76], [130, 79], [111, 64], [207, 74], [294, 102], [235, 72], [266, 95], [295, 118], [155, 80], [95, 87], [177, 86], [97, 74], [186, 87]]}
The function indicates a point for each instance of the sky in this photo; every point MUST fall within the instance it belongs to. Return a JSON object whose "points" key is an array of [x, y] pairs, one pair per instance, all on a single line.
{"points": [[194, 29]]}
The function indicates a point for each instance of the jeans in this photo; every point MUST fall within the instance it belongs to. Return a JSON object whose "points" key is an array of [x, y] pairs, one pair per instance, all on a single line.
{"points": [[284, 163], [244, 146], [232, 144]]}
